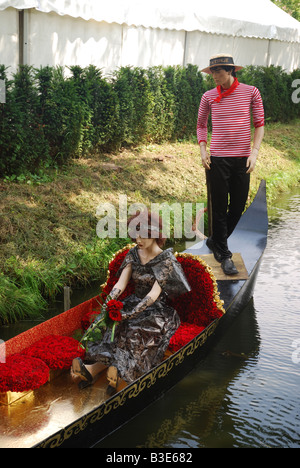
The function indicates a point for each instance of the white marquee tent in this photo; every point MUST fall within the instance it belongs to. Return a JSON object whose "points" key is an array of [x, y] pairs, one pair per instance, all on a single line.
{"points": [[114, 33]]}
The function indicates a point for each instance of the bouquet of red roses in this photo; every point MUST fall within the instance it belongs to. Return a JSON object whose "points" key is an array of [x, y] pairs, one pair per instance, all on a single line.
{"points": [[110, 317]]}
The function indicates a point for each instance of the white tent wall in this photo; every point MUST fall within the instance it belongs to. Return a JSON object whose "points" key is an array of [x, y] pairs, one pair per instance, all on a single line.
{"points": [[146, 47], [9, 38], [284, 54], [55, 33], [246, 51], [62, 40]]}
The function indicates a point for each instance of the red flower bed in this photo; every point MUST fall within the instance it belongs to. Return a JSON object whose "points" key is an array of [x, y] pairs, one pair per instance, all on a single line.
{"points": [[57, 352], [185, 333], [22, 373]]}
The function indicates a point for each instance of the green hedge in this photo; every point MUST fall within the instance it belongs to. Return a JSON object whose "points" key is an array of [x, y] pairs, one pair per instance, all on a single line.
{"points": [[49, 117]]}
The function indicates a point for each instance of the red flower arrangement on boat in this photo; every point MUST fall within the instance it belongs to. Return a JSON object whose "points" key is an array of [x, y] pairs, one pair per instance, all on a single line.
{"points": [[22, 373], [185, 333], [198, 306], [56, 351]]}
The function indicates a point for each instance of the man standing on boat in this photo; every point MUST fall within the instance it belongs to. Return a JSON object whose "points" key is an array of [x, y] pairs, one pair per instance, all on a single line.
{"points": [[231, 158]]}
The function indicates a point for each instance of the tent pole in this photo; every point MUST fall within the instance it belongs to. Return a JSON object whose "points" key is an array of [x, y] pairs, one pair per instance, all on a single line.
{"points": [[23, 37], [184, 51]]}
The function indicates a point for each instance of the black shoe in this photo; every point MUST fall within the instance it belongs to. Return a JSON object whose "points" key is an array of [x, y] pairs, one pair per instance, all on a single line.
{"points": [[229, 267], [210, 244]]}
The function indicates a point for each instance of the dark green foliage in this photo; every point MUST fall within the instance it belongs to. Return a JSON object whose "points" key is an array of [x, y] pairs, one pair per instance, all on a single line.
{"points": [[276, 89], [50, 118], [22, 141], [61, 112]]}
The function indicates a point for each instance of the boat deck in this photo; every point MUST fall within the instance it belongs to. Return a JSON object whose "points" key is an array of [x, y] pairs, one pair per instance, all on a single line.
{"points": [[46, 411]]}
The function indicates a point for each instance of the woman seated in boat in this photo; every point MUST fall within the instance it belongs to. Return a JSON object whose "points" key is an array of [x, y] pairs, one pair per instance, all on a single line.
{"points": [[148, 323]]}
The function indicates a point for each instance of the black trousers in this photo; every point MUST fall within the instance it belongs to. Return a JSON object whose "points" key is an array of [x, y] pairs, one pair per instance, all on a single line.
{"points": [[229, 185]]}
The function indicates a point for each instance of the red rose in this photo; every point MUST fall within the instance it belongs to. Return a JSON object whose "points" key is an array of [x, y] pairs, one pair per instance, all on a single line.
{"points": [[114, 310]]}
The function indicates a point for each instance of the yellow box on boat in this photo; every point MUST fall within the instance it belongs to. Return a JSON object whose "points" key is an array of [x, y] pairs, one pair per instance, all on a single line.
{"points": [[8, 398]]}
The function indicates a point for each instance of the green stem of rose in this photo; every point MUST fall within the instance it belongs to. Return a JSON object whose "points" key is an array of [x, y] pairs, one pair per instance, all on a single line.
{"points": [[113, 331]]}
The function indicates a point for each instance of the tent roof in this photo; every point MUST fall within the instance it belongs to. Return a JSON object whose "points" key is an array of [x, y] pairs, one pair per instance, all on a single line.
{"points": [[256, 18]]}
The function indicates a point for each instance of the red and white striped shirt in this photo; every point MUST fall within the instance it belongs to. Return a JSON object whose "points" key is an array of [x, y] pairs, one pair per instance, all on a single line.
{"points": [[231, 120]]}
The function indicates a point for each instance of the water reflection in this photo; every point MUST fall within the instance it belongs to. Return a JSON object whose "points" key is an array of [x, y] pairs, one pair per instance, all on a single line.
{"points": [[198, 406]]}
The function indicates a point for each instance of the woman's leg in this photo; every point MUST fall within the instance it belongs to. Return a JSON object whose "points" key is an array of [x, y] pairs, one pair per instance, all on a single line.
{"points": [[87, 373], [95, 369]]}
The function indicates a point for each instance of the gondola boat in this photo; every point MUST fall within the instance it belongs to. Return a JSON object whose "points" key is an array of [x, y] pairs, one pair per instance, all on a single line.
{"points": [[59, 414]]}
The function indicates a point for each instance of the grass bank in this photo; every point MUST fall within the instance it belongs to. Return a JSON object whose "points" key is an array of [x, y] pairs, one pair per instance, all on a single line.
{"points": [[48, 221]]}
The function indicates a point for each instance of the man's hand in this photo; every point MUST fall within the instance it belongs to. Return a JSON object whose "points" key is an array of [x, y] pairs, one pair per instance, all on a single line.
{"points": [[251, 161], [205, 157]]}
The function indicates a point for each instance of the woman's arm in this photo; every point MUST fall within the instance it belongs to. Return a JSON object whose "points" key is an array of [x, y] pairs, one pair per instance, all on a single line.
{"points": [[120, 286], [147, 301]]}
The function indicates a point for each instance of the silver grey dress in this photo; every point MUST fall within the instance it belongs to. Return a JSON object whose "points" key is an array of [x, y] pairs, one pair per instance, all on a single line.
{"points": [[140, 343]]}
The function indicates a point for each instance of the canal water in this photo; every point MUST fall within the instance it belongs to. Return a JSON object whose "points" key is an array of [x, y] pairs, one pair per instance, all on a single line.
{"points": [[245, 393]]}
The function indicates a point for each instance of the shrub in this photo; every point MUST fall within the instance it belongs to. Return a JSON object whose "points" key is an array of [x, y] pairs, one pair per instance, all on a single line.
{"points": [[276, 90], [22, 140], [61, 112]]}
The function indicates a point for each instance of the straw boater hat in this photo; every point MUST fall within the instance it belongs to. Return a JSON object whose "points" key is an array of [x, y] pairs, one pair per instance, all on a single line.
{"points": [[219, 61]]}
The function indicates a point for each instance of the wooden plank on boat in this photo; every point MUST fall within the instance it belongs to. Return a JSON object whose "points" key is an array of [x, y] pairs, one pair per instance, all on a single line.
{"points": [[219, 273]]}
